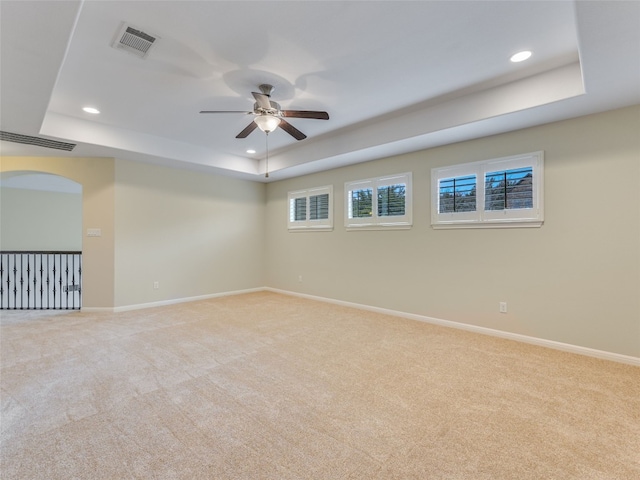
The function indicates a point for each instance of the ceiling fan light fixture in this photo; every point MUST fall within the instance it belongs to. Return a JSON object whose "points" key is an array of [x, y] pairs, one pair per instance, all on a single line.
{"points": [[267, 123]]}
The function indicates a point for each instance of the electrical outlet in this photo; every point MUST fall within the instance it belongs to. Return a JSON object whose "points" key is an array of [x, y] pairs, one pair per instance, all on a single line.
{"points": [[156, 285], [503, 307], [300, 278]]}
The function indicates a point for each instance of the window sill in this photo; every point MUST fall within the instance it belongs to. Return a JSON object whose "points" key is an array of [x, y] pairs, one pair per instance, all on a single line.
{"points": [[454, 226], [310, 229], [353, 228]]}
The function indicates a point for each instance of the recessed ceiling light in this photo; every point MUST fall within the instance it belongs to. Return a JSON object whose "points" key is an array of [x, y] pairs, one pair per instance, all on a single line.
{"points": [[91, 110], [251, 150], [520, 56]]}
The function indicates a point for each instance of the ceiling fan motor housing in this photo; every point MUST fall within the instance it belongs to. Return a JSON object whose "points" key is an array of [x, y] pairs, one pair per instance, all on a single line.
{"points": [[274, 110]]}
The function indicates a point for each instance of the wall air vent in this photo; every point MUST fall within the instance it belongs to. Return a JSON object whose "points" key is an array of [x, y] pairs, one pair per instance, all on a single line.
{"points": [[39, 142], [133, 40]]}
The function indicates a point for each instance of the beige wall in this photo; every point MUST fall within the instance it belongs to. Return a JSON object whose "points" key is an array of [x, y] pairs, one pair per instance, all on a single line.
{"points": [[40, 220], [575, 280], [195, 234], [96, 175]]}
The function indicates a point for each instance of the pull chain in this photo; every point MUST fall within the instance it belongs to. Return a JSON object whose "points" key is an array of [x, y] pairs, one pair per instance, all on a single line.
{"points": [[266, 174]]}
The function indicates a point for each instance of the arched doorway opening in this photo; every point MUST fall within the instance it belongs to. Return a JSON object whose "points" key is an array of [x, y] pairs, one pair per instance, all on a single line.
{"points": [[40, 241]]}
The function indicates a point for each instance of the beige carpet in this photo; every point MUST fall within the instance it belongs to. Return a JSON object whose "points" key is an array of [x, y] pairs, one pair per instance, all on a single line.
{"points": [[266, 386]]}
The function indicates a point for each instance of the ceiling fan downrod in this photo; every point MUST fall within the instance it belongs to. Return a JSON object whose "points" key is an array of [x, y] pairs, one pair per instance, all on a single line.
{"points": [[266, 89]]}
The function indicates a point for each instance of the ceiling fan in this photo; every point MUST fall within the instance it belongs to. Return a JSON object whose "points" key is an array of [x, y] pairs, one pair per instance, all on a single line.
{"points": [[269, 115]]}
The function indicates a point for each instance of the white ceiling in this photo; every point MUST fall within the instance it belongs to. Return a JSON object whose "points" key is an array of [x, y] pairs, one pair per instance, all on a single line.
{"points": [[395, 76]]}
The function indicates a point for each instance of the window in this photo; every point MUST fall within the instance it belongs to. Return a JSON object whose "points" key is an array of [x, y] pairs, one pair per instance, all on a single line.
{"points": [[508, 189], [378, 203], [503, 192], [311, 209], [458, 194]]}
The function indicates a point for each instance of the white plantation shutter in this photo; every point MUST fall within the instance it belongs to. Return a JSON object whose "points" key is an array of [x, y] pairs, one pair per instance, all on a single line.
{"points": [[311, 209], [514, 190], [377, 203], [457, 194], [300, 209], [360, 201], [502, 192], [508, 189], [319, 207], [391, 200]]}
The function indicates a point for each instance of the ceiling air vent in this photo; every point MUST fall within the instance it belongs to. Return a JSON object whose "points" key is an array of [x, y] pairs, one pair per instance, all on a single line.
{"points": [[39, 142], [133, 40]]}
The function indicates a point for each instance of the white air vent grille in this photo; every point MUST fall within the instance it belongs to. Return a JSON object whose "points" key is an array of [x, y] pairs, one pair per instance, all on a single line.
{"points": [[134, 40], [37, 141]]}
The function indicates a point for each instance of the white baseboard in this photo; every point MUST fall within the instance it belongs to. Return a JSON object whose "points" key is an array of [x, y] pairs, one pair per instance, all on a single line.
{"points": [[565, 347], [175, 301]]}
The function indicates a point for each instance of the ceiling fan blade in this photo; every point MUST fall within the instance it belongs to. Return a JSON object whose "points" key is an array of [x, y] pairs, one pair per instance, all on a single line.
{"points": [[291, 130], [249, 128], [225, 111], [305, 114], [262, 100]]}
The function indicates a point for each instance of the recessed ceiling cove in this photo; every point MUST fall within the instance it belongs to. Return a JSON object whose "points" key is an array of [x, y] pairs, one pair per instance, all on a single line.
{"points": [[394, 76]]}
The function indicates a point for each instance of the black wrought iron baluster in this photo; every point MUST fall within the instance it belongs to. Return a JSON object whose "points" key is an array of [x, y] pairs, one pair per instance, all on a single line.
{"points": [[60, 280], [73, 282], [33, 279], [42, 281], [5, 292], [66, 269], [27, 257], [1, 281], [8, 281], [15, 282], [54, 281], [50, 281], [80, 281], [21, 282]]}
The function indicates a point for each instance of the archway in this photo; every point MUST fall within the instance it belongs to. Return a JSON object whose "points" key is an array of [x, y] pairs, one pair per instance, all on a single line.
{"points": [[40, 241]]}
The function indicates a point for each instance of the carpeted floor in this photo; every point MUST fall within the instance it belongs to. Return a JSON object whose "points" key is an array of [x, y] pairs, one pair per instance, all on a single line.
{"points": [[267, 386]]}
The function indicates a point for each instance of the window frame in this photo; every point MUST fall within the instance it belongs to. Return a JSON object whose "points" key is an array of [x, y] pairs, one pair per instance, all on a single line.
{"points": [[323, 224], [375, 221], [481, 218]]}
